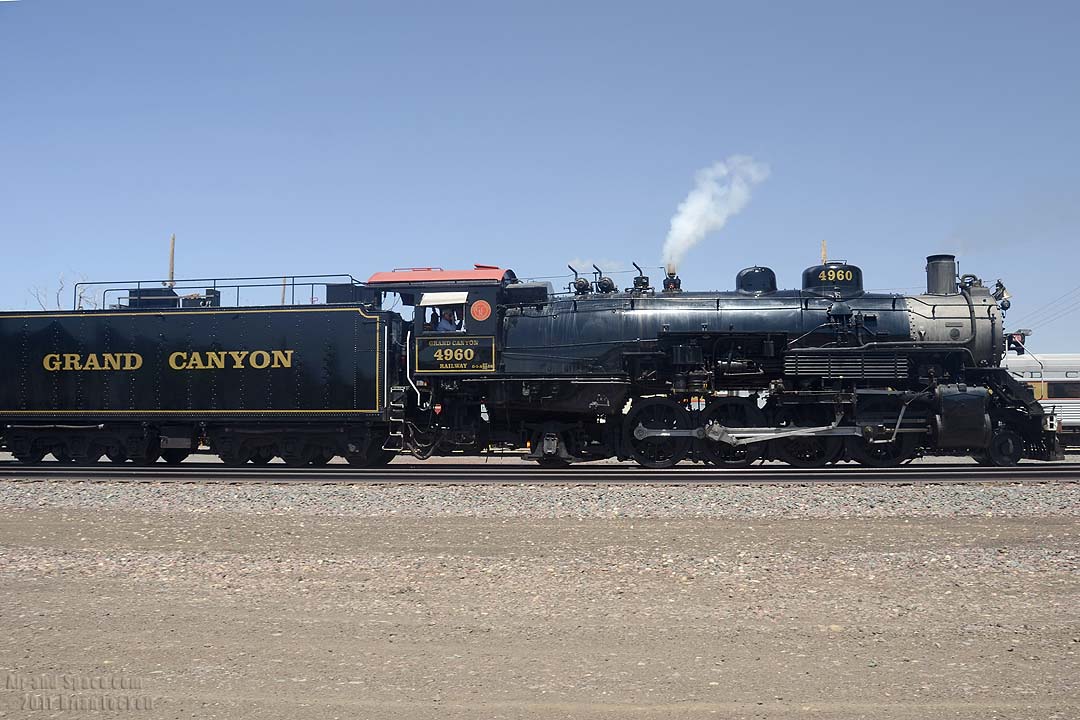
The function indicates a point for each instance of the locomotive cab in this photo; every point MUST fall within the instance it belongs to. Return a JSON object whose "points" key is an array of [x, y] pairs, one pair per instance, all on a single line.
{"points": [[455, 322]]}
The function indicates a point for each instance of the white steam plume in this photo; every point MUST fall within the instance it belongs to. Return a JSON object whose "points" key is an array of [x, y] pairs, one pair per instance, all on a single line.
{"points": [[722, 190]]}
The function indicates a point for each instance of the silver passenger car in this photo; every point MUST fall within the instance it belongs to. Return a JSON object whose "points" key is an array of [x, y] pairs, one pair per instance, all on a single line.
{"points": [[1055, 379]]}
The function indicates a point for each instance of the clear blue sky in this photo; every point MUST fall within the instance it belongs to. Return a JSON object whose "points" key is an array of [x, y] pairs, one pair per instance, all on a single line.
{"points": [[277, 137]]}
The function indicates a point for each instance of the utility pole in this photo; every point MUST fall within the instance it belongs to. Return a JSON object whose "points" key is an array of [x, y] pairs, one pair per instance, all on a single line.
{"points": [[824, 253], [171, 282]]}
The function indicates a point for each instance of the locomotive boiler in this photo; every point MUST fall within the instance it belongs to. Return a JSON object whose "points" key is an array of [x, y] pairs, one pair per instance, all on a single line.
{"points": [[431, 362]]}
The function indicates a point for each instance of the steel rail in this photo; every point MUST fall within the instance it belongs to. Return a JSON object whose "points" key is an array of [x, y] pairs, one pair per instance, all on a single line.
{"points": [[211, 473]]}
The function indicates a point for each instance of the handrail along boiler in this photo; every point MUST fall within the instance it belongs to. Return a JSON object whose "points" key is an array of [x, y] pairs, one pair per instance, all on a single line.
{"points": [[808, 376]]}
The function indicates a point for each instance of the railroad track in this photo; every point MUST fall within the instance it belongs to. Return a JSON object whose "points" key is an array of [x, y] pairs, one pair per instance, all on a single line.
{"points": [[211, 473]]}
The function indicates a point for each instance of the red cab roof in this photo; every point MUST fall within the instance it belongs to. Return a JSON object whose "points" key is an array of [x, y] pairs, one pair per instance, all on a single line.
{"points": [[480, 273]]}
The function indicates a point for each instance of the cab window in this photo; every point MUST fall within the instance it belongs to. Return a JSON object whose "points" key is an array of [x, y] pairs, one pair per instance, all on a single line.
{"points": [[443, 312]]}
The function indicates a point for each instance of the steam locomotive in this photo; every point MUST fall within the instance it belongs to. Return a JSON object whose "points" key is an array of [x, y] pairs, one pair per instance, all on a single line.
{"points": [[658, 375]]}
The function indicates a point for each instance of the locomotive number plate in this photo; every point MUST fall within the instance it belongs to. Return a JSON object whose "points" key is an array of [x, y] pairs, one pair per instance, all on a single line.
{"points": [[455, 354], [838, 275]]}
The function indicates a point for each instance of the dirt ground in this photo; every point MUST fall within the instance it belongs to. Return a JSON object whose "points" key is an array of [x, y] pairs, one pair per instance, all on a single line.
{"points": [[231, 615]]}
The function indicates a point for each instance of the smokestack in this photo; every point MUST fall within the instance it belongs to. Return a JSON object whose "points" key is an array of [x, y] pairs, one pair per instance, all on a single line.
{"points": [[721, 191], [941, 275], [672, 283]]}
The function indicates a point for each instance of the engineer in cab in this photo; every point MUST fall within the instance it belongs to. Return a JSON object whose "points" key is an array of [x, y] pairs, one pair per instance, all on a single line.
{"points": [[449, 319]]}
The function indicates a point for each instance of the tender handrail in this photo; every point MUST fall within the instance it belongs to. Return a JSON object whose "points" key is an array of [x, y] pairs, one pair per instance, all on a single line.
{"points": [[218, 283]]}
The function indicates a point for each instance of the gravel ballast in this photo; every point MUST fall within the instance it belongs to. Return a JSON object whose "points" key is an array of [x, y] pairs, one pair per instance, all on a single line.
{"points": [[555, 501]]}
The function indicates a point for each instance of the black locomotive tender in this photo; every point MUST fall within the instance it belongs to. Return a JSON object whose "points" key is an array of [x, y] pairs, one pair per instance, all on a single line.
{"points": [[809, 376]]}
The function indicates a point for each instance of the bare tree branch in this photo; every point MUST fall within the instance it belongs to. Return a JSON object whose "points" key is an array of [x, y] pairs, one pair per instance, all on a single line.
{"points": [[49, 300], [60, 290], [39, 294]]}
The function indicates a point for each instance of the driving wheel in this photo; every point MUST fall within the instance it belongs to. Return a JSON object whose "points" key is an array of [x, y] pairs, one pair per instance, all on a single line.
{"points": [[884, 454], [659, 415], [734, 412]]}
